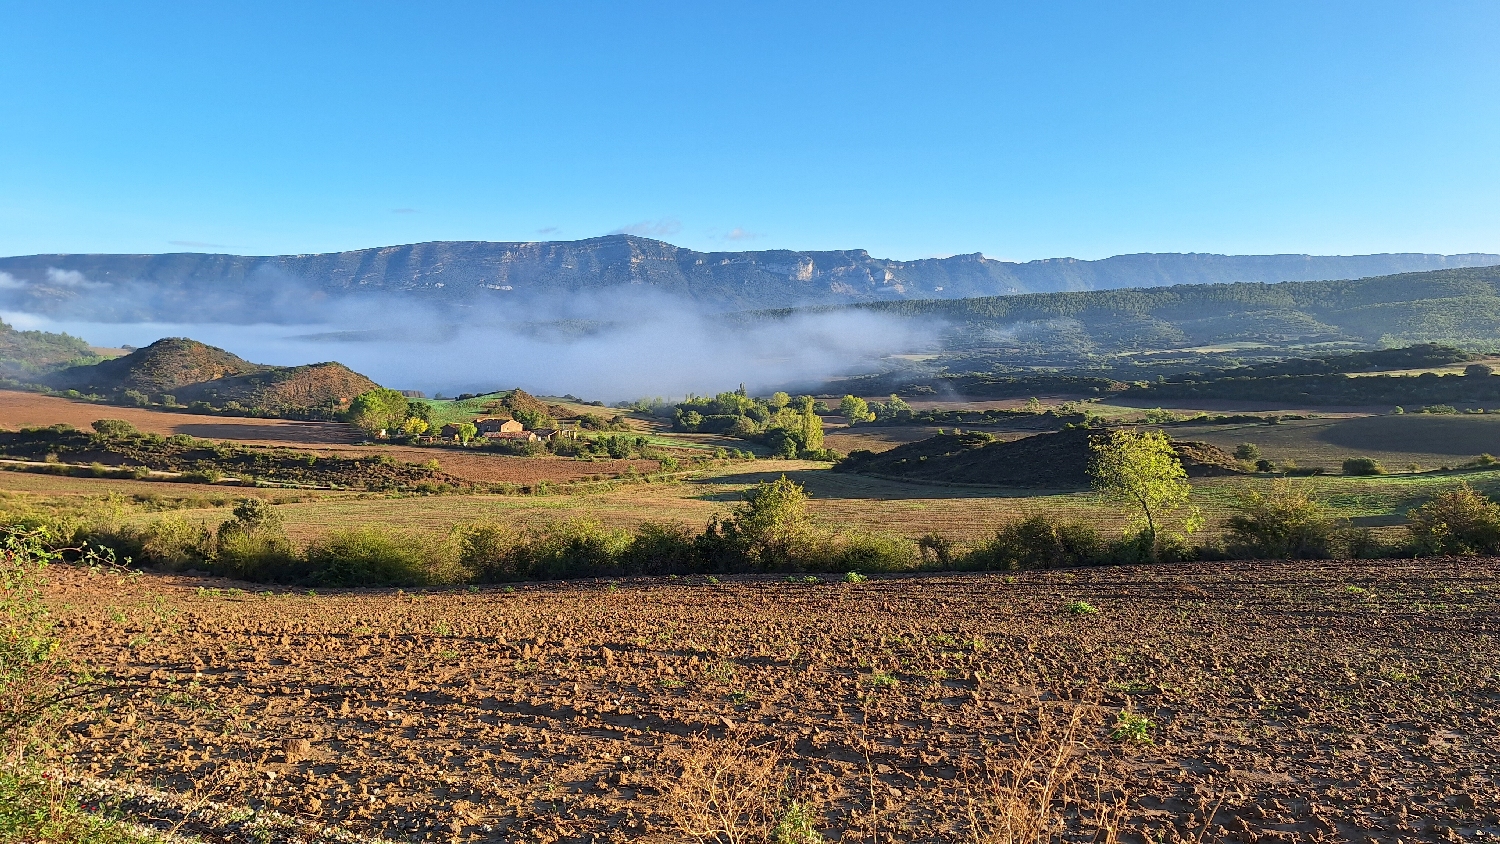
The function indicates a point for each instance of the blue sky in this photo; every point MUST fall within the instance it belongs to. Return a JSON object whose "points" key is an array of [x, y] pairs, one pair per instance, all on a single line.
{"points": [[1019, 130]]}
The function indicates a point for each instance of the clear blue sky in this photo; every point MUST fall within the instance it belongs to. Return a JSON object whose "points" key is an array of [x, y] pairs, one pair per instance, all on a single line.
{"points": [[914, 129]]}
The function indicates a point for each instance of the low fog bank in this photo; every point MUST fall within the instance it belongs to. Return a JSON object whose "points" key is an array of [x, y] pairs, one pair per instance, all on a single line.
{"points": [[614, 345]]}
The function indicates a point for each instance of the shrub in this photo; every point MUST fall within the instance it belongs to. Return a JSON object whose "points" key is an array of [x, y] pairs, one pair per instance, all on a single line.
{"points": [[1285, 523], [1037, 542], [488, 550], [573, 549], [253, 545], [377, 555], [114, 428], [660, 549], [871, 552], [1460, 521], [1246, 451], [174, 543], [1363, 466]]}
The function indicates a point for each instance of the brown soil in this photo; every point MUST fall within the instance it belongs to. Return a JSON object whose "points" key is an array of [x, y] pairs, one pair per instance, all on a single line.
{"points": [[1286, 702], [21, 410], [18, 410]]}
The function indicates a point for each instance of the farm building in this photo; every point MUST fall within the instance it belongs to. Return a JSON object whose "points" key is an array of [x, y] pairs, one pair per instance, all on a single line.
{"points": [[522, 436], [496, 425]]}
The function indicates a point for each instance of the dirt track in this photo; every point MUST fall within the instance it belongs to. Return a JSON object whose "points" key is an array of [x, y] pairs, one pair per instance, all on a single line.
{"points": [[1308, 702]]}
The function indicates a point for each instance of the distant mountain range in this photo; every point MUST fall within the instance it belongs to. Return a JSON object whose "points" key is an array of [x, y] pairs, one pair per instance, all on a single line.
{"points": [[288, 288]]}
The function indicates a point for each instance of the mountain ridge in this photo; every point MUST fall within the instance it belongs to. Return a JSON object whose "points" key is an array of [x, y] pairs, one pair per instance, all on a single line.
{"points": [[211, 286]]}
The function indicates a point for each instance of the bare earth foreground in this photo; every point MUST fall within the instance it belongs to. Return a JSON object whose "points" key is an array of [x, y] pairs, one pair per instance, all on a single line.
{"points": [[1286, 702]]}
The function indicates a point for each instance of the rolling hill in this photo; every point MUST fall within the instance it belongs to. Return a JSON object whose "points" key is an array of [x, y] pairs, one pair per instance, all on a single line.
{"points": [[234, 288], [1056, 460], [189, 371]]}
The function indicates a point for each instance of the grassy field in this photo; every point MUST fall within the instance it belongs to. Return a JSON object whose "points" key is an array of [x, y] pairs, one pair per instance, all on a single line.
{"points": [[839, 500]]}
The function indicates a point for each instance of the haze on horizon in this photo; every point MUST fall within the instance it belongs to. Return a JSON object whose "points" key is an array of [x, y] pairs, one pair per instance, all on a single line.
{"points": [[1077, 129]]}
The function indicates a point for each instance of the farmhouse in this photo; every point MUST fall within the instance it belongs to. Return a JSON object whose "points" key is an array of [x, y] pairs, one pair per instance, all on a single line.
{"points": [[495, 425], [519, 436]]}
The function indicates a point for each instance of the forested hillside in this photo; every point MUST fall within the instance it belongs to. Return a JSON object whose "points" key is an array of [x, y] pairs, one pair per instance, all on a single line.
{"points": [[25, 355], [1458, 307], [236, 288]]}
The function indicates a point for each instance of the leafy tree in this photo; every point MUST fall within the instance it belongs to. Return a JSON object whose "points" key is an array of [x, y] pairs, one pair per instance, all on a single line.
{"points": [[1479, 370], [467, 431], [778, 400], [378, 410], [1247, 451], [855, 409], [252, 545], [1140, 467], [414, 427], [811, 428]]}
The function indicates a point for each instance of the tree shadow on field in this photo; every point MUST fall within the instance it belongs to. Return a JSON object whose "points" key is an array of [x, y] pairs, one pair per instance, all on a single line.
{"points": [[307, 433], [1457, 435], [825, 483]]}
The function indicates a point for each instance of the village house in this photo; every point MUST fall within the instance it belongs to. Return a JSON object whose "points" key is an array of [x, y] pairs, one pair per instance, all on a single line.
{"points": [[494, 425], [514, 436]]}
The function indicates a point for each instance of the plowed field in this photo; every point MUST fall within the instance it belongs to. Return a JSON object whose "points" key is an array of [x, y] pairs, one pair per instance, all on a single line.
{"points": [[1281, 702]]}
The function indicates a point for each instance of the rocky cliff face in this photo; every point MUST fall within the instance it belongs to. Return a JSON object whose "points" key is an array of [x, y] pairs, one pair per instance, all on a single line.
{"points": [[229, 287]]}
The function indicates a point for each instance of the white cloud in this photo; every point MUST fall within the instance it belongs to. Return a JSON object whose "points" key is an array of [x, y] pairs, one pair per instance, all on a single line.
{"points": [[10, 282], [71, 278], [664, 227], [738, 233]]}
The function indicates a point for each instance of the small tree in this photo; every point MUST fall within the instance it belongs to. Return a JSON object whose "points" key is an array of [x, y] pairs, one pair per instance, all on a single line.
{"points": [[1140, 467], [467, 431], [1247, 451], [778, 400], [414, 427], [855, 409], [1479, 370]]}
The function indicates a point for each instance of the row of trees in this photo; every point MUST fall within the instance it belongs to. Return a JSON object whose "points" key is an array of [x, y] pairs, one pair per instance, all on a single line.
{"points": [[790, 427]]}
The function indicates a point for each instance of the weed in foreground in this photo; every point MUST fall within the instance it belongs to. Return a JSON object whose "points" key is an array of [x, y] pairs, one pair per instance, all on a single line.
{"points": [[1080, 608], [1132, 728], [1027, 793], [727, 791]]}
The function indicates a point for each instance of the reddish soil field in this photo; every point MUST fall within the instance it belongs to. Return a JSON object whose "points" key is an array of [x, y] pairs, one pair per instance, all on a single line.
{"points": [[18, 410], [1330, 701], [21, 410]]}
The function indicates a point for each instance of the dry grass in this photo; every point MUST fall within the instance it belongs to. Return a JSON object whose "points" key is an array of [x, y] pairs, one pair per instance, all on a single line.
{"points": [[726, 791], [1023, 796]]}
